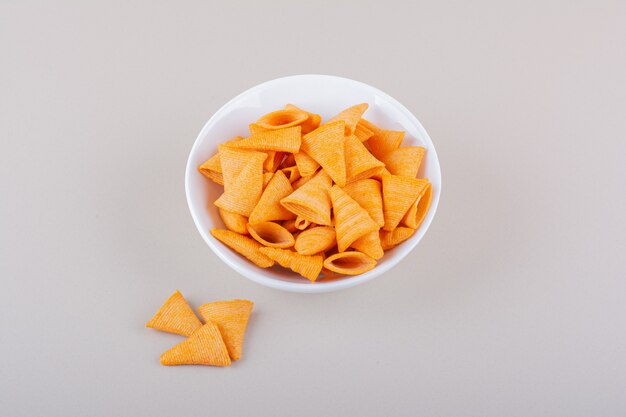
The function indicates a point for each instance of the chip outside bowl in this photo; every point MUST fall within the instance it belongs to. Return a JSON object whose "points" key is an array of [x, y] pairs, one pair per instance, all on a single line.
{"points": [[323, 94]]}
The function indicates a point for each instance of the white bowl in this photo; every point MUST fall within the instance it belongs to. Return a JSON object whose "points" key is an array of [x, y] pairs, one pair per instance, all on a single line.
{"points": [[323, 94]]}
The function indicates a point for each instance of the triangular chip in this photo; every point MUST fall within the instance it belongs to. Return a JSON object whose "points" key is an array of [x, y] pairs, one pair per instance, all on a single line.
{"points": [[404, 161], [243, 245], [291, 173], [256, 129], [212, 164], [233, 221], [417, 212], [369, 245], [212, 169], [384, 142], [306, 165], [269, 208], [271, 234], [216, 177], [281, 119], [267, 177], [368, 193], [231, 318], [315, 240], [204, 347], [302, 223], [311, 123], [399, 193], [232, 161], [326, 145], [282, 140], [243, 179], [380, 176], [273, 160], [302, 180], [307, 266], [362, 132], [175, 316], [349, 263], [351, 220], [351, 117], [389, 240], [360, 163], [311, 201], [369, 126]]}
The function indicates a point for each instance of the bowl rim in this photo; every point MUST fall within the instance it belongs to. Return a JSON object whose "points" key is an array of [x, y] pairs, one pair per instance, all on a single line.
{"points": [[320, 286]]}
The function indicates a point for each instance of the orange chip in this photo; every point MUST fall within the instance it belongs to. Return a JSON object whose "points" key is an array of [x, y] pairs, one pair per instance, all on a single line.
{"points": [[311, 123], [216, 177], [369, 126], [302, 223], [281, 119], [306, 165], [360, 163], [267, 177], [291, 173], [282, 140], [351, 220], [243, 245], [404, 161], [417, 212], [326, 146], [273, 160], [236, 160], [231, 318], [255, 129], [204, 347], [212, 164], [233, 221], [370, 245], [399, 193], [301, 181], [351, 117], [212, 169], [315, 240], [384, 142], [381, 175], [389, 240], [269, 208], [362, 132], [349, 263], [175, 316], [311, 201], [243, 179], [368, 193], [307, 266], [271, 234]]}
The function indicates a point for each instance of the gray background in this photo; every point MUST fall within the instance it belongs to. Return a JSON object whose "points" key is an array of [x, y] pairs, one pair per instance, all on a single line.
{"points": [[512, 305]]}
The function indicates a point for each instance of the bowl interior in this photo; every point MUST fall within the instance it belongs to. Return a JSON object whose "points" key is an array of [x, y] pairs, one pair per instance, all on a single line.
{"points": [[326, 95]]}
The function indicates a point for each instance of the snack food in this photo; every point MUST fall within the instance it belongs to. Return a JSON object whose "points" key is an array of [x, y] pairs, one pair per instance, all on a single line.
{"points": [[231, 318], [175, 316], [204, 347], [215, 342], [318, 197]]}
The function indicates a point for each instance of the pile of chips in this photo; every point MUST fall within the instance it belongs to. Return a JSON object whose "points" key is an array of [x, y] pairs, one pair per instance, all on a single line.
{"points": [[216, 342], [320, 199]]}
